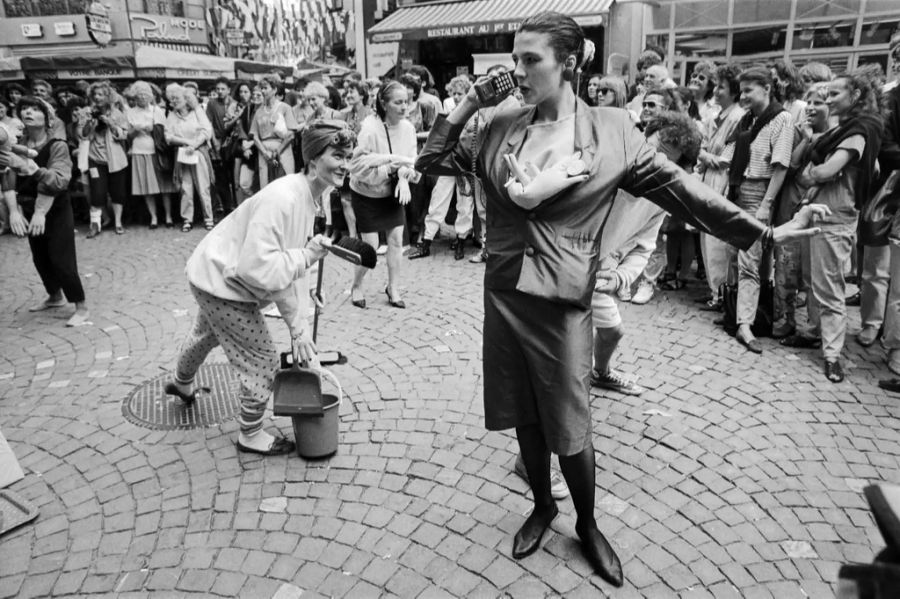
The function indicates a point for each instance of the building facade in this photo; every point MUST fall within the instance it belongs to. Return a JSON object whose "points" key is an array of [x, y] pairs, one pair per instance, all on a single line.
{"points": [[840, 33]]}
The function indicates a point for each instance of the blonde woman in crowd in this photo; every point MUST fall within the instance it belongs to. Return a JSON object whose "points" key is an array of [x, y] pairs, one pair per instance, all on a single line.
{"points": [[148, 177], [105, 129], [189, 130]]}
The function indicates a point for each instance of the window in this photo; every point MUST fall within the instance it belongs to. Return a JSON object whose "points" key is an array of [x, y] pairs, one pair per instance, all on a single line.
{"points": [[164, 7], [701, 44], [758, 40], [825, 35], [661, 15], [875, 31], [703, 13], [761, 11], [44, 8], [827, 8]]}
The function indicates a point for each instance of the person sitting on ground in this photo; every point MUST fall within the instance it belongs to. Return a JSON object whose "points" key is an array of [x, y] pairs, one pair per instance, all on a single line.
{"points": [[262, 252]]}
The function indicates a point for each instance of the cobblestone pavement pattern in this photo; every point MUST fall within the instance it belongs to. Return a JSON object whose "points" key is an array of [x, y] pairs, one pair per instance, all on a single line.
{"points": [[734, 475]]}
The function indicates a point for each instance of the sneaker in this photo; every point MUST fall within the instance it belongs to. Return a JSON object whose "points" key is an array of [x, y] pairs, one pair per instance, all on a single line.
{"points": [[867, 336], [382, 250], [479, 258], [558, 487], [615, 381], [644, 293], [852, 300]]}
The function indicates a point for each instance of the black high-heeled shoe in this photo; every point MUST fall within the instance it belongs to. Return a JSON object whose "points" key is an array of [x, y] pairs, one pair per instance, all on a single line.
{"points": [[396, 304], [187, 398], [361, 303]]}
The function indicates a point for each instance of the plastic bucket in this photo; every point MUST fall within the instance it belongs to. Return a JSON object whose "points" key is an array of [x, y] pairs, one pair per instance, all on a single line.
{"points": [[317, 436]]}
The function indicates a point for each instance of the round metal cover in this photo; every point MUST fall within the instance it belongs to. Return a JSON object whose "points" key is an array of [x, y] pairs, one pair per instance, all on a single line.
{"points": [[149, 406]]}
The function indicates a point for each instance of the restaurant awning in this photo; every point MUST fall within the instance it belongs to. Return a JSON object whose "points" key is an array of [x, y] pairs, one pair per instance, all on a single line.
{"points": [[79, 66], [159, 63], [478, 17]]}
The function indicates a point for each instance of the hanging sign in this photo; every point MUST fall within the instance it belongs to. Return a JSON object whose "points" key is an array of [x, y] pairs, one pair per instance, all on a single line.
{"points": [[98, 24]]}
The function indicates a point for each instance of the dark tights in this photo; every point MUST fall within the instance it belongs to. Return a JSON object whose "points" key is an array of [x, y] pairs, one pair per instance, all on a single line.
{"points": [[578, 470]]}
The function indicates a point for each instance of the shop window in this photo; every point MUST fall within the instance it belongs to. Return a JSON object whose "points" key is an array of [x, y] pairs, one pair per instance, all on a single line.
{"points": [[164, 7], [827, 8], [702, 13], [761, 11], [758, 40], [825, 35], [705, 44], [875, 31]]}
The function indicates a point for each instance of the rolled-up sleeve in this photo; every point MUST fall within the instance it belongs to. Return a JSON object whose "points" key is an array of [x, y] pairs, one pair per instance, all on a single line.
{"points": [[651, 175]]}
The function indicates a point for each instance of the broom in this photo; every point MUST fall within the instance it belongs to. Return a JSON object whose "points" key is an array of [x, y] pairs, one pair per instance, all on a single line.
{"points": [[353, 250]]}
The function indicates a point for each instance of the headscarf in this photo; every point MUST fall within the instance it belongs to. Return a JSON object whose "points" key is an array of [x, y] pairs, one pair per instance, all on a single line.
{"points": [[321, 134]]}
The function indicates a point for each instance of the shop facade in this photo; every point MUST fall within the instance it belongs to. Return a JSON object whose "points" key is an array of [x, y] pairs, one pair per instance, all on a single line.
{"points": [[840, 33], [467, 36]]}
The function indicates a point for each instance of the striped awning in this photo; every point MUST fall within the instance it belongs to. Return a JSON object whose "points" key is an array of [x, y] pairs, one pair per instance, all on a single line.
{"points": [[478, 17]]}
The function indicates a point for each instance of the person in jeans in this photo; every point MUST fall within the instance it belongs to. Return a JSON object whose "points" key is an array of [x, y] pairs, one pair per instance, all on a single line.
{"points": [[760, 157], [841, 172], [713, 169]]}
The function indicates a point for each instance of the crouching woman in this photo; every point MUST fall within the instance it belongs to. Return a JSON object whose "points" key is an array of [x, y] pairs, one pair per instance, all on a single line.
{"points": [[262, 253]]}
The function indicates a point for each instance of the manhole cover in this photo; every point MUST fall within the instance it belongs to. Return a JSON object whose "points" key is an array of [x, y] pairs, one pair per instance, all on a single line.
{"points": [[150, 407]]}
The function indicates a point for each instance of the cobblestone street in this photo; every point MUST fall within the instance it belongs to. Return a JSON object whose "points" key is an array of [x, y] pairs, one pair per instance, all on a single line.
{"points": [[733, 475]]}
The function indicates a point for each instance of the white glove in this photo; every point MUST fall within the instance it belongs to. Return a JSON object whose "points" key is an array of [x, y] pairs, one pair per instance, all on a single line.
{"points": [[529, 187]]}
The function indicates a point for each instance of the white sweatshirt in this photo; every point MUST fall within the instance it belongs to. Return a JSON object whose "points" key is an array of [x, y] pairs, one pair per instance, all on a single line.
{"points": [[256, 254]]}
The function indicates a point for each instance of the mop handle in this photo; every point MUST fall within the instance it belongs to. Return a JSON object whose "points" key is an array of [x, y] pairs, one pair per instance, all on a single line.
{"points": [[319, 296]]}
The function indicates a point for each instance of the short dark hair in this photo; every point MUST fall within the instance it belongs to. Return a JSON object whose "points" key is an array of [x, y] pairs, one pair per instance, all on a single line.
{"points": [[413, 82], [732, 74], [757, 74], [679, 131], [34, 102], [788, 73], [566, 36], [224, 80], [236, 92], [361, 87], [423, 74]]}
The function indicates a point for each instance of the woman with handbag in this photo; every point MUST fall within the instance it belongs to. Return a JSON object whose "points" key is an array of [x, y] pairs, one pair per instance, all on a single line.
{"points": [[380, 174], [272, 132], [189, 130], [148, 178], [105, 130]]}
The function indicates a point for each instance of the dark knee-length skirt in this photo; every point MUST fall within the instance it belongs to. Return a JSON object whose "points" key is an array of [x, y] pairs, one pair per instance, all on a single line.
{"points": [[537, 365]]}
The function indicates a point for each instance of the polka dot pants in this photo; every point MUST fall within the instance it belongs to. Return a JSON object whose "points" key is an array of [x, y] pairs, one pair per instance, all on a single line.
{"points": [[240, 329]]}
